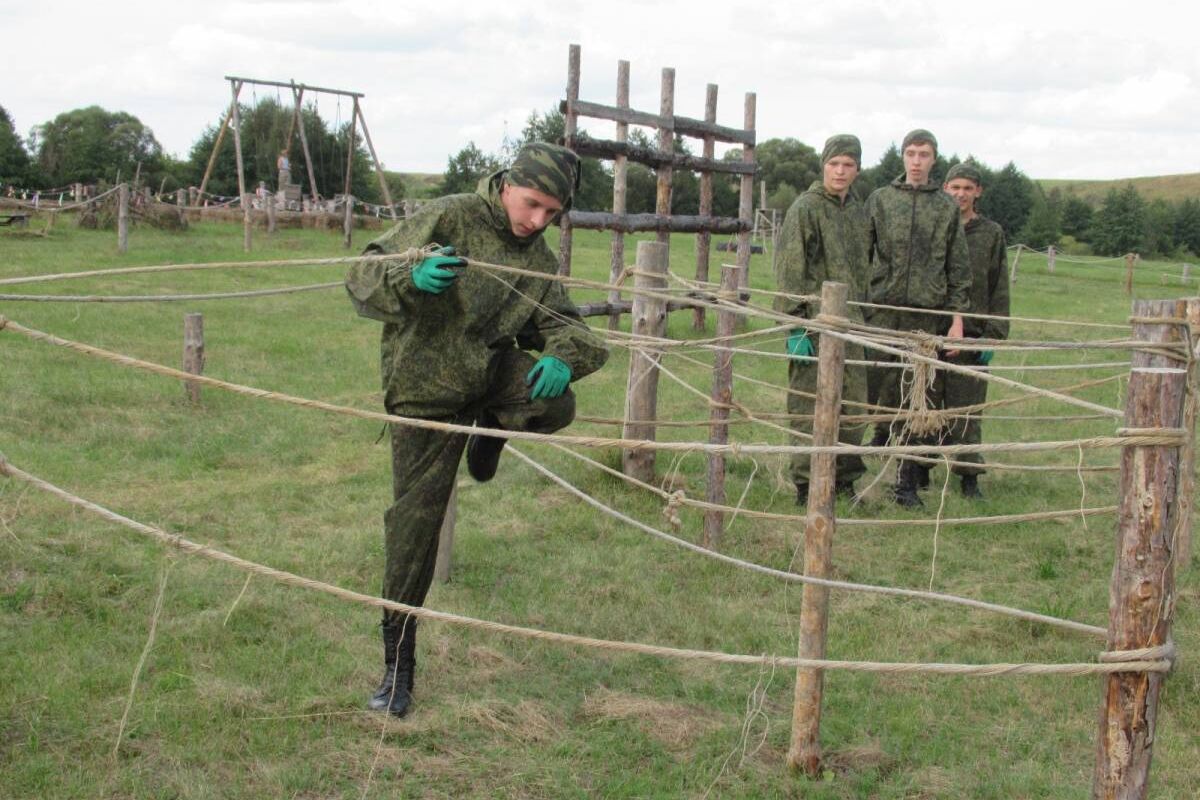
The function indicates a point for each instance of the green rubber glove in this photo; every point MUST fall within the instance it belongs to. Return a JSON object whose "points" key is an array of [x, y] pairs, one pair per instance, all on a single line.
{"points": [[798, 343], [434, 274], [549, 378], [986, 357]]}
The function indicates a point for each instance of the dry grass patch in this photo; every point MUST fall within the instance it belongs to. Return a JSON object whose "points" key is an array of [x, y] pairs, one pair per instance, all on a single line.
{"points": [[675, 725], [525, 721]]}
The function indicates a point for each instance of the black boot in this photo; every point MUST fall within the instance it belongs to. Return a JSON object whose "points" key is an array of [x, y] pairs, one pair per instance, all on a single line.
{"points": [[844, 489], [801, 494], [970, 487], [483, 452], [882, 434], [923, 475], [394, 694], [905, 492]]}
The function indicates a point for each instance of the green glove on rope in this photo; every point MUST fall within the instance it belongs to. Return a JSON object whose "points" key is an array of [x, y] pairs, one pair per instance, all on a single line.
{"points": [[986, 357], [434, 274], [549, 378], [798, 343]]}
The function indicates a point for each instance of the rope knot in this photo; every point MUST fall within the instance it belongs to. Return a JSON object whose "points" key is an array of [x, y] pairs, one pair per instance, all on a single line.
{"points": [[1163, 652], [671, 509], [922, 419]]}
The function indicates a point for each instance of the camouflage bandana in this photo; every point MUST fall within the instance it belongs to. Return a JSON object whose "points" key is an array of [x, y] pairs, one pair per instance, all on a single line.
{"points": [[919, 135], [967, 169], [548, 168], [842, 144]]}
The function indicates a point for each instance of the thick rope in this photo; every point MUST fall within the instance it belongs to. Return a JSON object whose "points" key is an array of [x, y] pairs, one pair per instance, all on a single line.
{"points": [[162, 298], [291, 579]]}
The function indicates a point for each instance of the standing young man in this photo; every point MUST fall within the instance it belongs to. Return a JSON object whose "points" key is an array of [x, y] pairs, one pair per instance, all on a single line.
{"points": [[919, 261], [989, 295], [455, 344], [824, 238]]}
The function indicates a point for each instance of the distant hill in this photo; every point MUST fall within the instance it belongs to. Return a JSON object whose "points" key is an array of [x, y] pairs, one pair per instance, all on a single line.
{"points": [[1167, 187]]}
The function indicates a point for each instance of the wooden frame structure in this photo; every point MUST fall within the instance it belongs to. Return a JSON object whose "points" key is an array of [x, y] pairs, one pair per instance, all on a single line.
{"points": [[233, 116]]}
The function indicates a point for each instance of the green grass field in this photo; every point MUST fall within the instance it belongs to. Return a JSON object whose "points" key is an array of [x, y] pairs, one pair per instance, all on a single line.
{"points": [[257, 690]]}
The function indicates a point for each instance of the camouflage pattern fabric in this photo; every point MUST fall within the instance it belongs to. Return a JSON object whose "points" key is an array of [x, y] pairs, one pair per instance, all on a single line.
{"points": [[842, 144], [989, 295], [550, 169], [891, 392], [823, 238], [965, 169], [918, 248], [919, 135]]}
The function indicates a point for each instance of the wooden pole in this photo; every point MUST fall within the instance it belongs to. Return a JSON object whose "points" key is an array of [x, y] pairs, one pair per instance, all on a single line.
{"points": [[241, 171], [445, 551], [212, 158], [313, 192], [746, 202], [704, 238], [193, 353], [570, 123], [123, 218], [271, 220], [666, 146], [1129, 273], [722, 396], [641, 397], [1142, 589], [620, 171], [348, 220], [1187, 485], [805, 750], [383, 184], [1012, 271], [1050, 259]]}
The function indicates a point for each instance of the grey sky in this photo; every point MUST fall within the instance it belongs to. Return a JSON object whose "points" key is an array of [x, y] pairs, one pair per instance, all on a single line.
{"points": [[1067, 90]]}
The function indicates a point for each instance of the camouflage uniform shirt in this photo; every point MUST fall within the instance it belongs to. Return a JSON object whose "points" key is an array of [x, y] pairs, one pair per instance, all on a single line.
{"points": [[989, 279]]}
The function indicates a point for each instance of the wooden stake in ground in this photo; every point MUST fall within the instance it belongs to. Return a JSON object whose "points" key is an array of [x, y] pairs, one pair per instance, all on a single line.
{"points": [[445, 551], [1187, 484], [313, 192], [641, 397], [722, 397], [123, 218], [666, 146], [1129, 273], [1050, 259], [271, 221], [620, 170], [383, 184], [348, 220], [704, 237], [1012, 271], [193, 353], [1142, 591], [805, 750], [236, 87], [746, 202], [570, 121]]}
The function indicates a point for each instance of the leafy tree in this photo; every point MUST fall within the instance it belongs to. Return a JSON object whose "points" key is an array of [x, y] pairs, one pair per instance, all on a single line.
{"points": [[92, 144], [787, 161], [1119, 226], [1076, 218], [1187, 225], [1008, 198], [14, 161], [595, 180], [465, 168], [891, 164], [1041, 226], [1159, 227]]}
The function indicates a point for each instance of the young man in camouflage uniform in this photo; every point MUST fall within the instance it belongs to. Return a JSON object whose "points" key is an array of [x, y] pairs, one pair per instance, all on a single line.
{"points": [[824, 238], [989, 295], [455, 344], [919, 260]]}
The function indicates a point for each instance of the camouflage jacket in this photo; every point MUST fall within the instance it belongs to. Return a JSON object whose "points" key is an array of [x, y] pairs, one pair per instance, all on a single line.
{"points": [[918, 249], [436, 347], [989, 278], [822, 239]]}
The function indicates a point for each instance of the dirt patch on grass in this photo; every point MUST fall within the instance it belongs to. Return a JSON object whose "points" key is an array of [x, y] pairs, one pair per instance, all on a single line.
{"points": [[675, 725]]}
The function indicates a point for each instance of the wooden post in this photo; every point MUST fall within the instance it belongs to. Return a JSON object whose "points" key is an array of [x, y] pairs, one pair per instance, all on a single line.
{"points": [[620, 170], [180, 198], [1142, 589], [666, 145], [1012, 271], [1129, 273], [570, 122], [1187, 270], [383, 184], [1187, 483], [704, 238], [805, 750], [212, 158], [746, 203], [722, 396], [313, 192], [270, 203], [445, 551], [1050, 259], [123, 218], [193, 353], [348, 222], [241, 171], [649, 318]]}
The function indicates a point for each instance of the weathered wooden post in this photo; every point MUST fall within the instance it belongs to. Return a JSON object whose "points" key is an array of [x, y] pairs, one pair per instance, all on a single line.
{"points": [[666, 147], [123, 218], [704, 237], [746, 203], [649, 318], [383, 184], [1187, 485], [241, 169], [1187, 271], [722, 397], [1012, 271], [570, 122], [1129, 273], [271, 221], [805, 750], [1142, 590], [180, 198], [313, 192], [193, 352], [1050, 259], [77, 192], [445, 551], [620, 171], [348, 222]]}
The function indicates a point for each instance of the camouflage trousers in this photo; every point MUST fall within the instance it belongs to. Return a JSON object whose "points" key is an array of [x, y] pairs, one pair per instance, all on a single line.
{"points": [[425, 467], [963, 390], [891, 392], [802, 377]]}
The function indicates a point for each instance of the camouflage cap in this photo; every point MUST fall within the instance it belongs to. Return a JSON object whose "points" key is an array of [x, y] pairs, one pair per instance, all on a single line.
{"points": [[919, 135], [842, 144], [548, 168], [967, 169]]}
